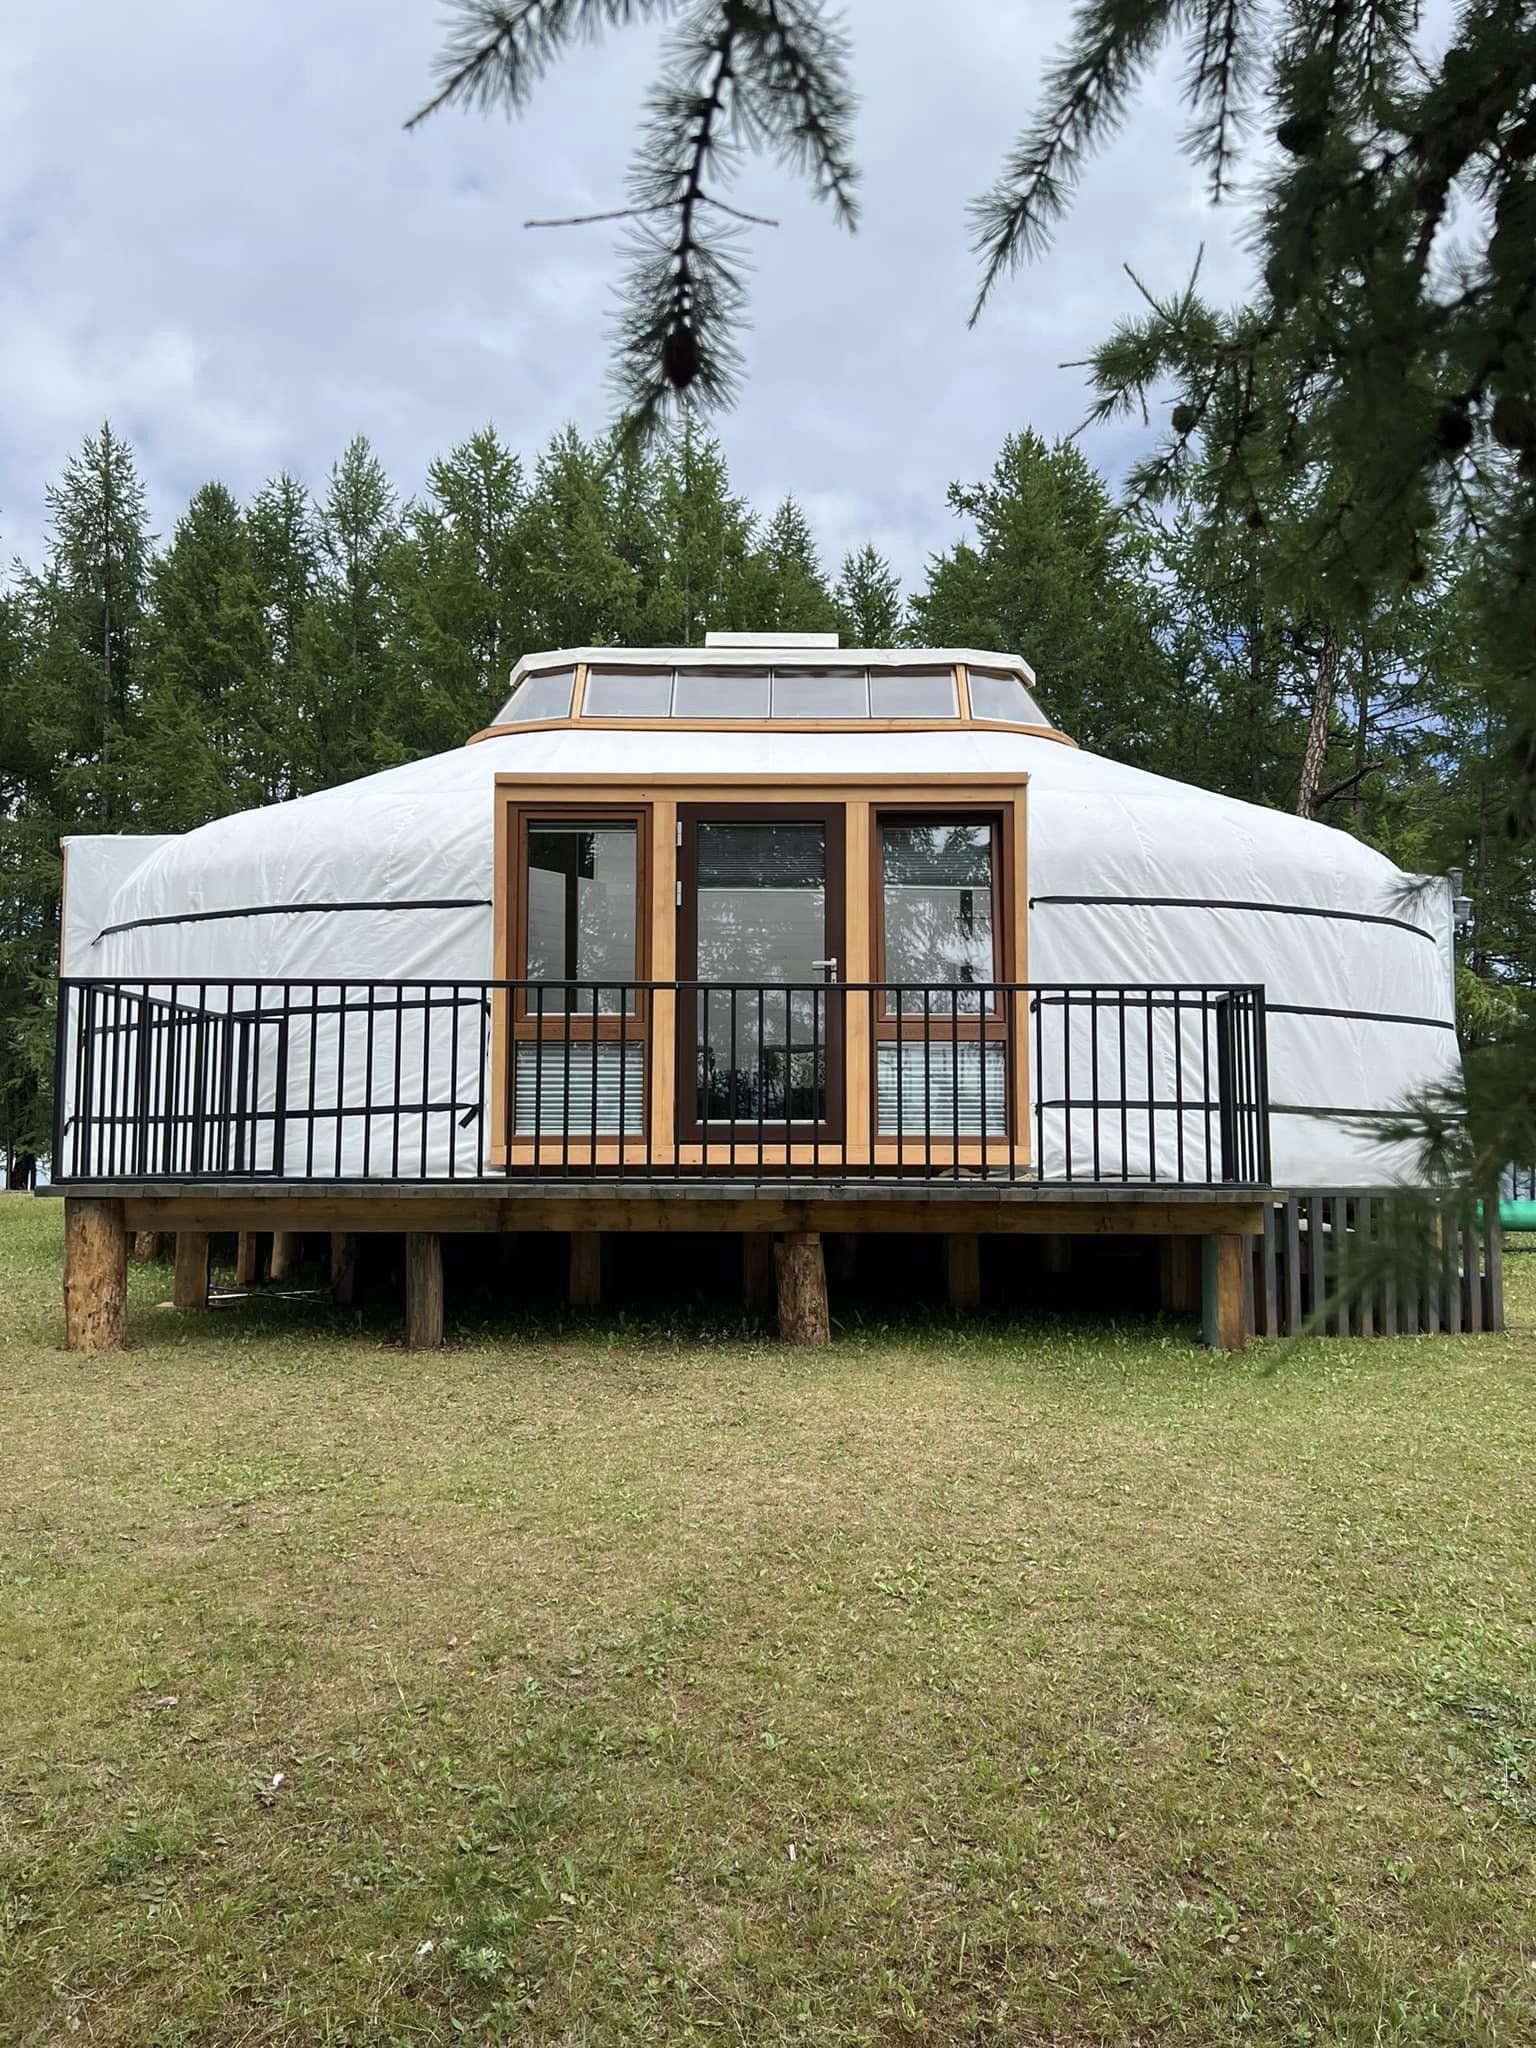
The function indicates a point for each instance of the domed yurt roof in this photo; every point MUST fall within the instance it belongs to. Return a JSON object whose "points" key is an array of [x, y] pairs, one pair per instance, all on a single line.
{"points": [[1132, 877]]}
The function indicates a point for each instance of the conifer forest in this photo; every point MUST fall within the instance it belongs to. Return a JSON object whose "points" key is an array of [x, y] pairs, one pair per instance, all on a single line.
{"points": [[331, 627]]}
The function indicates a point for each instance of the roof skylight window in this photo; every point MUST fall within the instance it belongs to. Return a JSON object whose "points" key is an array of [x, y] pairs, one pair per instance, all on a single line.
{"points": [[912, 693], [820, 693], [720, 693]]}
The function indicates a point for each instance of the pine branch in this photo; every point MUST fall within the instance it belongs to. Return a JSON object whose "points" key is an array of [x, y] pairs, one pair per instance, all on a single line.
{"points": [[1087, 95], [684, 294], [796, 91], [497, 50]]}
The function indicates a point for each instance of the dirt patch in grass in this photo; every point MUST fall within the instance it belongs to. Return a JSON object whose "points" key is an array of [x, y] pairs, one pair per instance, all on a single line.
{"points": [[601, 1686]]}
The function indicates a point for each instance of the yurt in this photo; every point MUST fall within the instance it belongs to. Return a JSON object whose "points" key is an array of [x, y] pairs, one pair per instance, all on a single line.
{"points": [[769, 932]]}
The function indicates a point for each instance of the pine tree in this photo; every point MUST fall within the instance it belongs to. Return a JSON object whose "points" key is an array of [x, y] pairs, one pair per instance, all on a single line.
{"points": [[784, 580], [345, 659], [704, 533], [868, 597], [285, 561], [88, 608], [1055, 576], [581, 590], [207, 739], [459, 584]]}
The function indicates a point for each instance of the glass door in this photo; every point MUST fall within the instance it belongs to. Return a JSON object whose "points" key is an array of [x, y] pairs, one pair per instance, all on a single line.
{"points": [[760, 923]]}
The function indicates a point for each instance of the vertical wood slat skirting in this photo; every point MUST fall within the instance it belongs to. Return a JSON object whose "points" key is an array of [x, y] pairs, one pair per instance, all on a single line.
{"points": [[1310, 1242]]}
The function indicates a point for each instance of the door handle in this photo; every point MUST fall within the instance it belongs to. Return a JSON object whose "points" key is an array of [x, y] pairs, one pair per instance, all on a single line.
{"points": [[828, 968]]}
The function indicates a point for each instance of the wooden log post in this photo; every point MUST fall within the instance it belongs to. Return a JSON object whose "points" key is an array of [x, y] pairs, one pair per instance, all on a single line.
{"points": [[586, 1268], [1178, 1272], [1224, 1316], [190, 1286], [248, 1259], [146, 1247], [962, 1269], [343, 1267], [801, 1273], [1057, 1248], [423, 1290], [285, 1254], [756, 1269], [95, 1275]]}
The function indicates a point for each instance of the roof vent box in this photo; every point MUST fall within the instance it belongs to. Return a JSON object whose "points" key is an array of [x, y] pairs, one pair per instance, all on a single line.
{"points": [[739, 640]]}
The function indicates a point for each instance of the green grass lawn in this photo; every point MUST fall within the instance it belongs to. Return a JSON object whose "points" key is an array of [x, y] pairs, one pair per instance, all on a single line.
{"points": [[588, 1685]]}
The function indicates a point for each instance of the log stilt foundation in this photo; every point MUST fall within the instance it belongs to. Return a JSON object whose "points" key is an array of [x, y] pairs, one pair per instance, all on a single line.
{"points": [[248, 1259], [146, 1247], [756, 1269], [190, 1287], [285, 1254], [1225, 1316], [801, 1272], [586, 1268], [962, 1270], [423, 1290], [343, 1267], [95, 1275]]}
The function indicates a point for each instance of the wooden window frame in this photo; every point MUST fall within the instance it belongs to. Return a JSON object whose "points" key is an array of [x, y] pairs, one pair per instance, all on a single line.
{"points": [[832, 815], [862, 794], [525, 1015], [1000, 819]]}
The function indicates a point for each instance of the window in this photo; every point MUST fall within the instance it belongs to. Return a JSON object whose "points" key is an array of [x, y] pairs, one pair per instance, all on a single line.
{"points": [[580, 915], [937, 908], [1002, 697], [545, 696], [820, 693], [628, 693], [912, 693], [720, 693]]}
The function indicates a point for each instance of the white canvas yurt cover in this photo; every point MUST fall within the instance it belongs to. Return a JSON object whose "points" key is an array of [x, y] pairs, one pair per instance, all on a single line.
{"points": [[1132, 878]]}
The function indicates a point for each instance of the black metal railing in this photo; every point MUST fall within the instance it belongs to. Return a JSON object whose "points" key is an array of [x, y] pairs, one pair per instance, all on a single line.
{"points": [[356, 1080]]}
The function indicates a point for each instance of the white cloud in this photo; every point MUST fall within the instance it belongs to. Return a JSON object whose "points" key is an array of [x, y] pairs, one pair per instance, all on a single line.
{"points": [[217, 234]]}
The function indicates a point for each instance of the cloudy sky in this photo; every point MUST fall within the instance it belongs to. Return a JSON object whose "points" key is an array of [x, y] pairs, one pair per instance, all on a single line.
{"points": [[214, 231]]}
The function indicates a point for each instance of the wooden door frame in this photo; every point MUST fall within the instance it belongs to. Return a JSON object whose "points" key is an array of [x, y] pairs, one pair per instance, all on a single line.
{"points": [[832, 816]]}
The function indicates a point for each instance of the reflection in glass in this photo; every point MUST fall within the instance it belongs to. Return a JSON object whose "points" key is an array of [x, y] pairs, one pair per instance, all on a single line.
{"points": [[1003, 697], [912, 693], [720, 693], [546, 696], [820, 693], [937, 880], [627, 693], [581, 911], [762, 918]]}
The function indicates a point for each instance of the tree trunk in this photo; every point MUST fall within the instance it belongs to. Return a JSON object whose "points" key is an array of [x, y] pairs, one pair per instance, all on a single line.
{"points": [[95, 1275], [802, 1278], [1323, 688]]}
